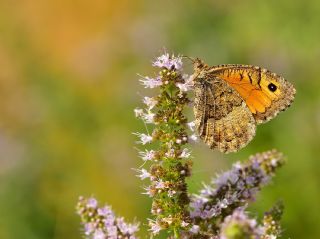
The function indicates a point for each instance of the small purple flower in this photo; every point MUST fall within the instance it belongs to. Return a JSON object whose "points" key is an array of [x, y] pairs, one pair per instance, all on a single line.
{"points": [[138, 112], [176, 62], [92, 203], [147, 155], [185, 153], [148, 82], [159, 184], [195, 229], [99, 234], [132, 228], [206, 191], [162, 61], [143, 173], [144, 138], [168, 62], [184, 224], [250, 180], [112, 231], [127, 228], [231, 176], [155, 228], [109, 220], [148, 117], [89, 228], [171, 193], [148, 191], [187, 85], [150, 102], [194, 137], [104, 211], [170, 153], [191, 125]]}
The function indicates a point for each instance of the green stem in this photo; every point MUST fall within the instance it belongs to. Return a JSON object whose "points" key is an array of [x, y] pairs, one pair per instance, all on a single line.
{"points": [[176, 233]]}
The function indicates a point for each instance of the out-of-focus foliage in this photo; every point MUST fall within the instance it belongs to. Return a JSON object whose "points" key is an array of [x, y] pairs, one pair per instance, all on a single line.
{"points": [[68, 86]]}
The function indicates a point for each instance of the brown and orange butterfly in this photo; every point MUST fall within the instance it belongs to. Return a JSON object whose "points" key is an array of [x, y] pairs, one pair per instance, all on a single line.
{"points": [[230, 100]]}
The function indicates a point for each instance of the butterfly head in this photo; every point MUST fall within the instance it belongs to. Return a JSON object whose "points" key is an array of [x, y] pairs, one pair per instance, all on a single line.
{"points": [[198, 64], [199, 68]]}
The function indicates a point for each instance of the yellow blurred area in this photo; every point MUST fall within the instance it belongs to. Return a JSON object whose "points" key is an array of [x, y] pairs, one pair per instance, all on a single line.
{"points": [[69, 84]]}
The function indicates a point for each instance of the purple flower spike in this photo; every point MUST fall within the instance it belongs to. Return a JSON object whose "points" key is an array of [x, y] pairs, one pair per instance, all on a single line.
{"points": [[100, 222]]}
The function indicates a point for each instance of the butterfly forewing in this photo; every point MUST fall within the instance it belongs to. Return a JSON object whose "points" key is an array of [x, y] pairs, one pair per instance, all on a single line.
{"points": [[265, 93]]}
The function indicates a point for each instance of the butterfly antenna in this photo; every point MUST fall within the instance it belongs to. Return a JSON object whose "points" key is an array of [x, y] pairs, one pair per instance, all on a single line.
{"points": [[189, 58]]}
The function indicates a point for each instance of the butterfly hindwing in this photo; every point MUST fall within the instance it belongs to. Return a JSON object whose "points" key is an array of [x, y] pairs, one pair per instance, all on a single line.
{"points": [[222, 120]]}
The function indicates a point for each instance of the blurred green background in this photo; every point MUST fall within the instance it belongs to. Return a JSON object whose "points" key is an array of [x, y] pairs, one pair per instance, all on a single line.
{"points": [[68, 86]]}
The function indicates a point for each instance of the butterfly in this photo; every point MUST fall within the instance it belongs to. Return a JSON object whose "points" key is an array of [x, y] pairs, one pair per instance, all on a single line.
{"points": [[231, 100]]}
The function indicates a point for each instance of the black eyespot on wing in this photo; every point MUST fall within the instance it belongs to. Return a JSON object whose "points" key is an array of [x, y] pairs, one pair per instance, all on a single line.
{"points": [[272, 87]]}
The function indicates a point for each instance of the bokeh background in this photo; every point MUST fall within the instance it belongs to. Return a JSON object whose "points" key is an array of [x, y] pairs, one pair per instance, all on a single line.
{"points": [[68, 86]]}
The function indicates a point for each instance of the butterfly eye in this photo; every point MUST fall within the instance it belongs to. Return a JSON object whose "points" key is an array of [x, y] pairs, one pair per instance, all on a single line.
{"points": [[272, 87]]}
